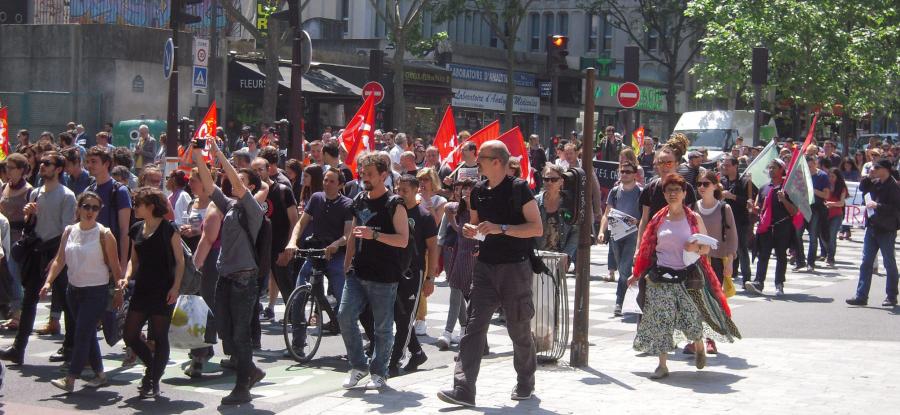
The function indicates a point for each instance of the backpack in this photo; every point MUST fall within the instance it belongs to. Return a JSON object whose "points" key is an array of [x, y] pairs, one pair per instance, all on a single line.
{"points": [[411, 251], [114, 206], [262, 245], [191, 277]]}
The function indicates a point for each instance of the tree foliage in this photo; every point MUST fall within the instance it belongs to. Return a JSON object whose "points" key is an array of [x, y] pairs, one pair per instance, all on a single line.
{"points": [[821, 52]]}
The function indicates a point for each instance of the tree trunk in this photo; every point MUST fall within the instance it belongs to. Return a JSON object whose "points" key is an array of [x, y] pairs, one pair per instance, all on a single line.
{"points": [[270, 93], [510, 84], [399, 104]]}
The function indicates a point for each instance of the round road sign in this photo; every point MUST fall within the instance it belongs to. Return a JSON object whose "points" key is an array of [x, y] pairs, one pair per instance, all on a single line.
{"points": [[168, 58], [628, 95], [376, 88]]}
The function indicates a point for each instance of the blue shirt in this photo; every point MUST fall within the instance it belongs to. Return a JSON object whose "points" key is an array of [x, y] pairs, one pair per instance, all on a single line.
{"points": [[820, 182], [79, 184]]}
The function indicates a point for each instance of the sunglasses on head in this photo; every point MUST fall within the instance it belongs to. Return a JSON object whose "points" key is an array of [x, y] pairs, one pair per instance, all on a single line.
{"points": [[90, 207]]}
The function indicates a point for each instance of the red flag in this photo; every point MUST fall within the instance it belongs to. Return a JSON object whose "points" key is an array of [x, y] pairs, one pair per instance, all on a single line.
{"points": [[206, 130], [4, 134], [357, 136], [515, 143], [489, 132], [445, 139], [806, 143]]}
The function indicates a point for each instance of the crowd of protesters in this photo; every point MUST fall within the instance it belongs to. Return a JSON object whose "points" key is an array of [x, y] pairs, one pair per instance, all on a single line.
{"points": [[97, 227]]}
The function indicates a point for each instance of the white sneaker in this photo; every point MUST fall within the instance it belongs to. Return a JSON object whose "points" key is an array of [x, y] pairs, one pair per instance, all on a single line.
{"points": [[779, 290], [421, 328], [353, 378], [443, 342], [376, 382], [455, 338]]}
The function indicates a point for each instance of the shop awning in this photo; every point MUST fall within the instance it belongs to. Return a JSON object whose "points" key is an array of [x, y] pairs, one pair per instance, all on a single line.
{"points": [[316, 81]]}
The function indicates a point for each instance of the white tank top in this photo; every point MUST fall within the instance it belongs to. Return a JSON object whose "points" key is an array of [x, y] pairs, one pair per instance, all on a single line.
{"points": [[84, 257], [670, 239]]}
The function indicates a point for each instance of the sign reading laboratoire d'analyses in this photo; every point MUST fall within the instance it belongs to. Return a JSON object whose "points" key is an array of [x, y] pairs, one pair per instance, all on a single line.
{"points": [[470, 98]]}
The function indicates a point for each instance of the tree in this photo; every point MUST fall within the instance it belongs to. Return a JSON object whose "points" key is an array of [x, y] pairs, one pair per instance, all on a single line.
{"points": [[504, 20], [676, 35], [272, 41], [833, 52]]}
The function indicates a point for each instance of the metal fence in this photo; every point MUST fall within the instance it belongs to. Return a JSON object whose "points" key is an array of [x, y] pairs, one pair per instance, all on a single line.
{"points": [[50, 110], [145, 13]]}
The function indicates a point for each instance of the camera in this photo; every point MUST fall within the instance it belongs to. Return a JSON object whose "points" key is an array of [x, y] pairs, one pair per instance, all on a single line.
{"points": [[200, 143]]}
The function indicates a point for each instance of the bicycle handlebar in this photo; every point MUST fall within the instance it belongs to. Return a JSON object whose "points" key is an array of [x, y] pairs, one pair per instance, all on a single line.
{"points": [[310, 253]]}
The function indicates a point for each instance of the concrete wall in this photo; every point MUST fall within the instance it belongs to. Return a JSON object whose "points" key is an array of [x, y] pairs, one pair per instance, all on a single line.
{"points": [[94, 66]]}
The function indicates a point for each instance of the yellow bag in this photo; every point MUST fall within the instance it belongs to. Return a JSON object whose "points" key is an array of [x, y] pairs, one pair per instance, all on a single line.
{"points": [[727, 282]]}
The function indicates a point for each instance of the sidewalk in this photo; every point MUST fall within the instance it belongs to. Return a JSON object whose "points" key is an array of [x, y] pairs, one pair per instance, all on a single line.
{"points": [[795, 376]]}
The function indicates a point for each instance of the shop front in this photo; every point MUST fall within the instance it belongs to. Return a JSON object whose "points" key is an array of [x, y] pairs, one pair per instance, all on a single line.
{"points": [[427, 92], [473, 109], [651, 106]]}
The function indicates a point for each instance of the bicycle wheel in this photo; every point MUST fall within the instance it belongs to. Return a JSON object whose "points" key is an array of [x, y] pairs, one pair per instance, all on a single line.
{"points": [[300, 336]]}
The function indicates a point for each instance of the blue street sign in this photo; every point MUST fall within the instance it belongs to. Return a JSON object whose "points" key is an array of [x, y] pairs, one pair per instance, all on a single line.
{"points": [[168, 58], [199, 80]]}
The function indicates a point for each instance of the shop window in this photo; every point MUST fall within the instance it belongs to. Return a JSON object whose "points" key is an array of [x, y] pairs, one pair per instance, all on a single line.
{"points": [[548, 27], [593, 26], [607, 34], [563, 23], [535, 30]]}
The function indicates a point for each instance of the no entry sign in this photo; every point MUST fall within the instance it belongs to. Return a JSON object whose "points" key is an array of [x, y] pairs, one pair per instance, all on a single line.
{"points": [[628, 95], [373, 88]]}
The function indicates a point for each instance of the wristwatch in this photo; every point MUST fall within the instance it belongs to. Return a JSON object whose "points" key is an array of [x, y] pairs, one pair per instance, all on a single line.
{"points": [[375, 235], [504, 228]]}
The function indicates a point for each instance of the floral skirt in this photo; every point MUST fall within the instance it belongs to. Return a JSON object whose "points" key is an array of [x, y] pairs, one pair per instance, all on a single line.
{"points": [[716, 324], [669, 313]]}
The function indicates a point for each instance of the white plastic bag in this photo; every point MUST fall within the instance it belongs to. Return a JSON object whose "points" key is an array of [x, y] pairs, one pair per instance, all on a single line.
{"points": [[543, 322], [630, 304], [188, 328]]}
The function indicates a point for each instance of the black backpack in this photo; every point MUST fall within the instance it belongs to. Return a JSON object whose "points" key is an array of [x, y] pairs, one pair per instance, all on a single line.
{"points": [[262, 245]]}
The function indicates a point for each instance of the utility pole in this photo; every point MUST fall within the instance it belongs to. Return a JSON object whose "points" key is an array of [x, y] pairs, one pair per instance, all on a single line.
{"points": [[632, 73], [579, 354], [177, 18], [759, 76], [295, 106], [557, 50]]}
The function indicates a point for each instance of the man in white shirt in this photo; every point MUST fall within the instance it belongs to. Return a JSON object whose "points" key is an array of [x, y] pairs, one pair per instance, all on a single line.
{"points": [[401, 144]]}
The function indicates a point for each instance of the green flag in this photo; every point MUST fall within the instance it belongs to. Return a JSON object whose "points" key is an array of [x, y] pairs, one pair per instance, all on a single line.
{"points": [[798, 187], [759, 167]]}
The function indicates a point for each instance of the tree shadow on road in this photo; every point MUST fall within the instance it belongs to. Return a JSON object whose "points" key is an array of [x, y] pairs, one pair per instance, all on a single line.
{"points": [[707, 382], [804, 298], [389, 399]]}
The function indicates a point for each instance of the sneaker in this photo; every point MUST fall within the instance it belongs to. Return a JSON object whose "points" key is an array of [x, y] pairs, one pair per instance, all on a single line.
{"points": [[61, 355], [298, 350], [521, 393], [376, 382], [455, 398], [455, 339], [830, 263], [443, 342], [416, 360], [779, 290], [353, 378], [617, 312], [889, 302], [64, 384], [857, 301], [98, 381], [151, 391], [752, 288], [421, 328], [130, 358], [332, 327], [268, 314]]}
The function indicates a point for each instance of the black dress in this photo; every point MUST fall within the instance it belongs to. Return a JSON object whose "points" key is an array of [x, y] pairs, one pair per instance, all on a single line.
{"points": [[154, 276]]}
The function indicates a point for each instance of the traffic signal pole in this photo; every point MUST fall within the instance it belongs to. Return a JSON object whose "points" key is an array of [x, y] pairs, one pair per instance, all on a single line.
{"points": [[578, 356], [295, 104], [172, 111]]}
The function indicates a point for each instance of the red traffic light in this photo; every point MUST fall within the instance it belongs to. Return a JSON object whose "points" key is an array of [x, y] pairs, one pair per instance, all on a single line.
{"points": [[559, 41]]}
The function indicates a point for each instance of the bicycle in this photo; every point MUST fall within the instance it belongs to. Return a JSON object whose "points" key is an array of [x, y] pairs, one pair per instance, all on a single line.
{"points": [[304, 320]]}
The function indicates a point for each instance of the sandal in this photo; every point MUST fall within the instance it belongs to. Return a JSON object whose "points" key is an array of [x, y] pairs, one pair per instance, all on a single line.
{"points": [[660, 373]]}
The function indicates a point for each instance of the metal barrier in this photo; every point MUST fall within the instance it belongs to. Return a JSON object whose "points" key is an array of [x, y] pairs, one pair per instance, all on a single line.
{"points": [[550, 325]]}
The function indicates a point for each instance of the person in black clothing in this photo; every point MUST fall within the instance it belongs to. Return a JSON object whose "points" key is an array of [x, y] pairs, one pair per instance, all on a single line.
{"points": [[503, 212], [774, 231], [156, 267], [537, 156], [652, 196], [882, 223], [738, 191], [425, 236], [331, 154]]}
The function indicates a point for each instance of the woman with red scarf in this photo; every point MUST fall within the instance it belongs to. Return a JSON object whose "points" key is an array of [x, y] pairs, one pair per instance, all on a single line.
{"points": [[683, 298]]}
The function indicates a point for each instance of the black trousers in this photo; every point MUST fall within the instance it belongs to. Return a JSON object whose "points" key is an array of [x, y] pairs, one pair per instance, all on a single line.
{"points": [[779, 239], [405, 306], [34, 275]]}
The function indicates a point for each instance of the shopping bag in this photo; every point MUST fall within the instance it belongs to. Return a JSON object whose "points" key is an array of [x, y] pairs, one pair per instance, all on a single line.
{"points": [[188, 327], [630, 304], [727, 283]]}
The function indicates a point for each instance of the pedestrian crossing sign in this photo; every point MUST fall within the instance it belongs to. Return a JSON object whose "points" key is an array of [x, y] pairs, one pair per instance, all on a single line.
{"points": [[199, 80]]}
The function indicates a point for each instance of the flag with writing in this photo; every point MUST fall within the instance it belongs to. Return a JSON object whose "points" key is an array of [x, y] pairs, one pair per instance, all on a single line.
{"points": [[489, 132], [515, 143], [446, 139], [205, 131], [4, 133], [358, 135], [758, 169], [798, 184], [637, 139]]}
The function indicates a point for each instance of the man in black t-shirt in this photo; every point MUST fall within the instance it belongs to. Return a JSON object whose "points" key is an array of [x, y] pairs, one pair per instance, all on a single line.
{"points": [[738, 193], [380, 231], [505, 217], [425, 235], [774, 231]]}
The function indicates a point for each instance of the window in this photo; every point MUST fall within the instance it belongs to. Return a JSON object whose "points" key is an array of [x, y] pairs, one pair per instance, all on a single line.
{"points": [[652, 40], [380, 29], [495, 41], [593, 24], [563, 24], [469, 28], [548, 27], [607, 34], [345, 17], [535, 30]]}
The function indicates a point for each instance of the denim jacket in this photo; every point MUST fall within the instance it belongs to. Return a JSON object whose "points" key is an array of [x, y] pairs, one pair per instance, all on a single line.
{"points": [[567, 233]]}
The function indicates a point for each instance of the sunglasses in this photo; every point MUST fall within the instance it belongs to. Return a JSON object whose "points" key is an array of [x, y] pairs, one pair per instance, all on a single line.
{"points": [[552, 179], [626, 172], [664, 163], [48, 163], [89, 207], [704, 184]]}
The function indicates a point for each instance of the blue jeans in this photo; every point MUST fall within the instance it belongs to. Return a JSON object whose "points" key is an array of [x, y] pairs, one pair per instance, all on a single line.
{"points": [[334, 271], [834, 225], [87, 305], [381, 297], [18, 293], [623, 252], [873, 242], [814, 226]]}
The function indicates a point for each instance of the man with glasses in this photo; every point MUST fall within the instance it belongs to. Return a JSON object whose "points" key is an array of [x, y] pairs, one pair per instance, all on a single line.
{"points": [[505, 218], [610, 145], [738, 193], [882, 223], [467, 170], [53, 207], [625, 197]]}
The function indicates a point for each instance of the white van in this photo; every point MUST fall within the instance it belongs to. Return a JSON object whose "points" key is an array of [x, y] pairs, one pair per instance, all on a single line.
{"points": [[716, 131]]}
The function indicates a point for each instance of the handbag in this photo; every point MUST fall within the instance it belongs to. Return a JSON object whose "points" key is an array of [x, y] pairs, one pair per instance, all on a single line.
{"points": [[113, 317], [29, 240]]}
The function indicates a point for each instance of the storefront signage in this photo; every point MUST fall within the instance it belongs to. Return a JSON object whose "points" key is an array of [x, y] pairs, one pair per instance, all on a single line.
{"points": [[421, 77], [651, 99], [492, 75], [469, 98], [546, 88]]}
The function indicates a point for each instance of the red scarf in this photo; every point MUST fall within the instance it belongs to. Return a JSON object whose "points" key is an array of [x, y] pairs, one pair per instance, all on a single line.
{"points": [[646, 256]]}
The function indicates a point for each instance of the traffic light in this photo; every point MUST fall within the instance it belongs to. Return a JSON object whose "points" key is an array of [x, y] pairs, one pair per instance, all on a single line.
{"points": [[180, 15], [557, 50]]}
